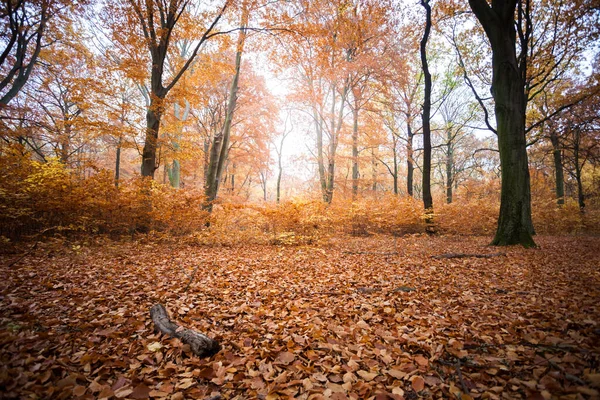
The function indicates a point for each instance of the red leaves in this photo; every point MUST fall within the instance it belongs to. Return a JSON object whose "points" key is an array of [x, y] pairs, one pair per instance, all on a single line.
{"points": [[294, 324]]}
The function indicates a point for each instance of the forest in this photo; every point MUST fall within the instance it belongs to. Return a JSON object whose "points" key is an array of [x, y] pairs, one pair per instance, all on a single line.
{"points": [[313, 199]]}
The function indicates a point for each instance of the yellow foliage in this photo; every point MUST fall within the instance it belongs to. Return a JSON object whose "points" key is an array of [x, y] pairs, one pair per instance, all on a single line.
{"points": [[35, 196]]}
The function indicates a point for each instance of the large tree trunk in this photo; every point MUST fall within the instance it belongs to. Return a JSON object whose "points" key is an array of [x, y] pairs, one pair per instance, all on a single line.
{"points": [[199, 343], [508, 89], [514, 223], [153, 116], [558, 168]]}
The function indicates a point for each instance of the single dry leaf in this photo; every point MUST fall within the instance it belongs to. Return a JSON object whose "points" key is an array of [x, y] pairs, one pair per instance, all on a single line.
{"points": [[285, 357], [79, 391], [417, 383], [367, 376], [155, 346], [422, 361]]}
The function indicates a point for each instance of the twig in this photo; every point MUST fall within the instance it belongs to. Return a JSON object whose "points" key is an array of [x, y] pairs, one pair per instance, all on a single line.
{"points": [[28, 252], [371, 252], [191, 279], [467, 255], [10, 264], [460, 377], [568, 376]]}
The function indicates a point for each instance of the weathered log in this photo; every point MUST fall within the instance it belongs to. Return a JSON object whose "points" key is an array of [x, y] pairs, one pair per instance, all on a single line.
{"points": [[199, 343]]}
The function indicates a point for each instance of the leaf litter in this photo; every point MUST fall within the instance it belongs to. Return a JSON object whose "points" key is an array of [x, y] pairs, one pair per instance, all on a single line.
{"points": [[335, 320]]}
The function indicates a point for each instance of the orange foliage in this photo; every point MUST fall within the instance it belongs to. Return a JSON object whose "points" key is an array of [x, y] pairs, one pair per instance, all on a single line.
{"points": [[36, 196]]}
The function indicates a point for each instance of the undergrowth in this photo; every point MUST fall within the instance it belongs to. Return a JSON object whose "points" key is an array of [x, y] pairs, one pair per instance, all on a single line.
{"points": [[38, 196]]}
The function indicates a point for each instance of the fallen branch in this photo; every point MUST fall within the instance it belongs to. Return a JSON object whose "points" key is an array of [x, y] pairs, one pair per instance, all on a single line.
{"points": [[467, 255], [191, 279], [200, 344], [28, 252]]}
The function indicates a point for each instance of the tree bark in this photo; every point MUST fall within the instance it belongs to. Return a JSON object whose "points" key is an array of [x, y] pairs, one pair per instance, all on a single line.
{"points": [[395, 175], [336, 126], [410, 168], [220, 149], [158, 38], [320, 156], [118, 163], [199, 343], [449, 166], [17, 75], [153, 116], [427, 198], [578, 168], [558, 168], [508, 89], [355, 151]]}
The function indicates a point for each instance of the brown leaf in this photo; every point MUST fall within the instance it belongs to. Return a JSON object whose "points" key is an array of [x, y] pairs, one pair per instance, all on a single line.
{"points": [[422, 361], [79, 391], [285, 357], [417, 383], [141, 391], [367, 376]]}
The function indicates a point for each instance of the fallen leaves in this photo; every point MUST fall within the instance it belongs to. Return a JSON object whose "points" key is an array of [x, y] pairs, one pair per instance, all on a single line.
{"points": [[417, 383], [335, 321]]}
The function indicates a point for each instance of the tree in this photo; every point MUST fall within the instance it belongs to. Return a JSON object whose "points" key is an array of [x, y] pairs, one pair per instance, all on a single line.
{"points": [[427, 198], [220, 145], [508, 89], [157, 21], [24, 25], [279, 151]]}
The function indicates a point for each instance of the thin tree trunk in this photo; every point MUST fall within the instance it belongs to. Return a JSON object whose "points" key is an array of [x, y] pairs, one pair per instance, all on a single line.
{"points": [[220, 149], [320, 156], [336, 127], [374, 170], [427, 198], [558, 168], [449, 167], [118, 163], [233, 180], [395, 175], [355, 151], [578, 168], [280, 166], [410, 168]]}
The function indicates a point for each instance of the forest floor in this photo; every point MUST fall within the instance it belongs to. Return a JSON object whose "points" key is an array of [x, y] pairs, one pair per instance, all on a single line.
{"points": [[358, 318]]}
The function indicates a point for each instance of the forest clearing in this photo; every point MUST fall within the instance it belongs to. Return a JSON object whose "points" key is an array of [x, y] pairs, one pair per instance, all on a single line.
{"points": [[311, 199], [378, 317]]}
